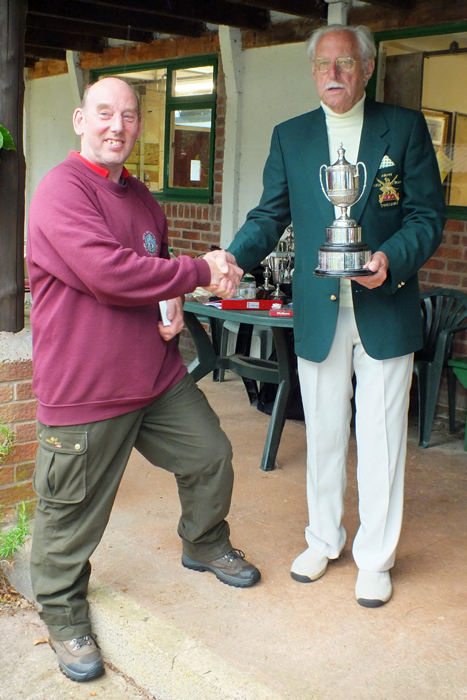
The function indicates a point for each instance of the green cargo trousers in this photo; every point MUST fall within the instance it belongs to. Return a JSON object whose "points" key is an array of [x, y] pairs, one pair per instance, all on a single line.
{"points": [[77, 475]]}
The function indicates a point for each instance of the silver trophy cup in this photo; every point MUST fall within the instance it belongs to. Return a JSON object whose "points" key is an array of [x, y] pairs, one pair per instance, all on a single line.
{"points": [[343, 254]]}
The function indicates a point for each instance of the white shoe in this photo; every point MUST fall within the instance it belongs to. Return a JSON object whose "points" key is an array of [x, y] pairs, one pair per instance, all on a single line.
{"points": [[373, 588], [309, 566]]}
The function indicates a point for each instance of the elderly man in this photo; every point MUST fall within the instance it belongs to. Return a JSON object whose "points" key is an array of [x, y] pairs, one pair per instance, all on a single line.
{"points": [[370, 325], [109, 377]]}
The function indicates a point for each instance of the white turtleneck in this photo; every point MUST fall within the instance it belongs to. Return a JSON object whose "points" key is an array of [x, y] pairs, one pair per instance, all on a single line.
{"points": [[346, 129]]}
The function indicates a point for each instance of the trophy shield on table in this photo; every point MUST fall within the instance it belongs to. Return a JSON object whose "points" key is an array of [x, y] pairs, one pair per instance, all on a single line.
{"points": [[344, 254]]}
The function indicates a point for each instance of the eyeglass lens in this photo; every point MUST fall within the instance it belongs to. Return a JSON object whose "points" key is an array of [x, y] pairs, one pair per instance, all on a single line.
{"points": [[345, 64]]}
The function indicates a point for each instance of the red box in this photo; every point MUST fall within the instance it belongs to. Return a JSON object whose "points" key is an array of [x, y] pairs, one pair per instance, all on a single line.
{"points": [[248, 304]]}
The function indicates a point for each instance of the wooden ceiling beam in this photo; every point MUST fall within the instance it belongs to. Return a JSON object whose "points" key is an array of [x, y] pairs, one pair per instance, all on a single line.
{"points": [[36, 53], [218, 12], [62, 40], [420, 13], [393, 4], [121, 16], [312, 9], [89, 28]]}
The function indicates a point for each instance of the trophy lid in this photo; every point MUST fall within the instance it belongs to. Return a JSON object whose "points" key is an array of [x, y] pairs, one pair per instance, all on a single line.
{"points": [[341, 160]]}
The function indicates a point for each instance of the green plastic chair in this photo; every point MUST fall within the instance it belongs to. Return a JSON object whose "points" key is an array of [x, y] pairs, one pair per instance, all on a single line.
{"points": [[444, 313]]}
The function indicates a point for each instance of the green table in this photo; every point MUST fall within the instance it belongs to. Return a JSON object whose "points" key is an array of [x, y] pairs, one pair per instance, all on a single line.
{"points": [[209, 359]]}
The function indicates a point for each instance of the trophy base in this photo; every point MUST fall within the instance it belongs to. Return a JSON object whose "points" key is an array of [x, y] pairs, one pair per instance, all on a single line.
{"points": [[363, 272]]}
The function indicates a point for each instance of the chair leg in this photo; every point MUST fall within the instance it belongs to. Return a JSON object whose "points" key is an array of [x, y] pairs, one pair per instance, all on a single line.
{"points": [[452, 399], [433, 377]]}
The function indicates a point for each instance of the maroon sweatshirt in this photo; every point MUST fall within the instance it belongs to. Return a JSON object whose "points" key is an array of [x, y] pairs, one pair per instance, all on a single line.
{"points": [[98, 265]]}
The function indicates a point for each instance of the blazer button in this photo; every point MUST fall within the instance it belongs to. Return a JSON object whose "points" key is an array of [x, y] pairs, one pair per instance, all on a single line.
{"points": [[400, 285], [333, 297]]}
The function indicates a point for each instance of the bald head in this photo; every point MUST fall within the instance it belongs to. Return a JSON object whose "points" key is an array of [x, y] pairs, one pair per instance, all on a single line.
{"points": [[108, 122], [103, 80]]}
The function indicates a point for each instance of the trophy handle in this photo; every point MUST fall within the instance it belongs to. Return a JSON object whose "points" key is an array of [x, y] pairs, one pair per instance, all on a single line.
{"points": [[321, 182], [364, 183]]}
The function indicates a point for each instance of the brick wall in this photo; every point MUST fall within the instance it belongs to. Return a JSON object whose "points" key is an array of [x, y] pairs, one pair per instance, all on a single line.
{"points": [[18, 410]]}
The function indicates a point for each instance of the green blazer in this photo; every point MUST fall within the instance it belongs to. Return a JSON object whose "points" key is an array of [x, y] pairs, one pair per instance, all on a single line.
{"points": [[407, 226]]}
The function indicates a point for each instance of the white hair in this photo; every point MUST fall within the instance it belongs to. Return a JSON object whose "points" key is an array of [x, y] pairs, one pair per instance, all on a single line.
{"points": [[366, 43]]}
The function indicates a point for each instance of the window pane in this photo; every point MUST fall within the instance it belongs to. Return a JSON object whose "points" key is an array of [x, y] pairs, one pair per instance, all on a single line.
{"points": [[190, 138], [146, 161], [193, 81]]}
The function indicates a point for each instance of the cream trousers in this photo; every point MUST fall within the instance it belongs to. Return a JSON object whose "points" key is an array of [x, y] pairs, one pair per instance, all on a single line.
{"points": [[381, 399]]}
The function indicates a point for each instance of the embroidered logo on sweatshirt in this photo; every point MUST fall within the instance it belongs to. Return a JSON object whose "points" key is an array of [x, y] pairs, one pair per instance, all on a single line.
{"points": [[150, 243]]}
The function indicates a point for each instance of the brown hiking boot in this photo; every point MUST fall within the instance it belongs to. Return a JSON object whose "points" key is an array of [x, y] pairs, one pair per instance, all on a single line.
{"points": [[232, 568], [79, 659]]}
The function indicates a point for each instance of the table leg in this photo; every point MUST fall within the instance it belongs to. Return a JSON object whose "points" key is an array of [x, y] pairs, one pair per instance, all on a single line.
{"points": [[206, 360], [287, 380]]}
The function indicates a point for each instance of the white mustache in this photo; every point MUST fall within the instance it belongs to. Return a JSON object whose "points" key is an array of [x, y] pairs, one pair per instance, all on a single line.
{"points": [[334, 84]]}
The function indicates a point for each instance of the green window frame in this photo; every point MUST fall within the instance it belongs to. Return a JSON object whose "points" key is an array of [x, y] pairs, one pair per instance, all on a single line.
{"points": [[201, 105], [454, 212]]}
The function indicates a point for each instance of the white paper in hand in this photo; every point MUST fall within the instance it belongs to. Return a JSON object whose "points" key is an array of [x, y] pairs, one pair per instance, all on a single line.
{"points": [[163, 308]]}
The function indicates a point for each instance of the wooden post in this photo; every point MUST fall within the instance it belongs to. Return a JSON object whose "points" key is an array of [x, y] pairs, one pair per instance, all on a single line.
{"points": [[12, 167]]}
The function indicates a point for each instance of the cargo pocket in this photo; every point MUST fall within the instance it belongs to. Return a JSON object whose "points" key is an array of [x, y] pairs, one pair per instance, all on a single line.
{"points": [[61, 461]]}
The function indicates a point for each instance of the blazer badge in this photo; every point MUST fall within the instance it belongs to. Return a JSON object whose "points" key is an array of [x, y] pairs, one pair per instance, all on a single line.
{"points": [[388, 185]]}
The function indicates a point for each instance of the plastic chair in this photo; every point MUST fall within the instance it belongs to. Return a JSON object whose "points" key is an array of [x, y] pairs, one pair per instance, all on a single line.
{"points": [[444, 314], [457, 366]]}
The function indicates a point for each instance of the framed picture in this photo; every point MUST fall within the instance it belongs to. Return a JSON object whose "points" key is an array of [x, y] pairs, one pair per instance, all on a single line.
{"points": [[439, 126]]}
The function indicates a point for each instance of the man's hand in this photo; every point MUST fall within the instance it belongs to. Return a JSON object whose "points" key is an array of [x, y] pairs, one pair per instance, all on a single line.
{"points": [[379, 264], [175, 316], [225, 273]]}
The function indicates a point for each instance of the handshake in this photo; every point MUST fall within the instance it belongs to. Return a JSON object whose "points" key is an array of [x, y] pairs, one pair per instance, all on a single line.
{"points": [[225, 273]]}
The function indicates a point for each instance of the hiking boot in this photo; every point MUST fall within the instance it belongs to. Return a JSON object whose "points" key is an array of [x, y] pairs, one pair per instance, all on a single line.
{"points": [[79, 659], [232, 569]]}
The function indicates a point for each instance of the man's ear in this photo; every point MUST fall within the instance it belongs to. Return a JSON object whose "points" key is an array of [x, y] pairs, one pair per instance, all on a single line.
{"points": [[78, 121], [313, 71], [369, 70], [140, 125]]}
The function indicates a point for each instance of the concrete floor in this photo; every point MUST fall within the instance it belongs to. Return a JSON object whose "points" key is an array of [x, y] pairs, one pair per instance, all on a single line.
{"points": [[305, 641]]}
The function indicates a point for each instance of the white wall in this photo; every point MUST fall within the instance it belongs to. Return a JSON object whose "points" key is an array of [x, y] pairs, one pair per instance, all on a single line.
{"points": [[275, 85], [49, 136]]}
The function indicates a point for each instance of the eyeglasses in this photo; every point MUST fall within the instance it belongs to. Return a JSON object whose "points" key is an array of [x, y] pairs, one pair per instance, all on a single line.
{"points": [[345, 64]]}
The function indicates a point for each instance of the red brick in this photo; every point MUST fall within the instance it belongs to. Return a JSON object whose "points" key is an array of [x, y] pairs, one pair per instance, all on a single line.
{"points": [[25, 432], [181, 244], [190, 235], [442, 279], [17, 493], [434, 264], [198, 226], [20, 411], [454, 225], [8, 514], [23, 452], [203, 247], [452, 253], [23, 391], [6, 393], [9, 371], [6, 475], [452, 239], [456, 266], [23, 472]]}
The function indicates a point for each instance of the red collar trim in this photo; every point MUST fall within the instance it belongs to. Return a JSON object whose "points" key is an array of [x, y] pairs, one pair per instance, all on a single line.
{"points": [[97, 168]]}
